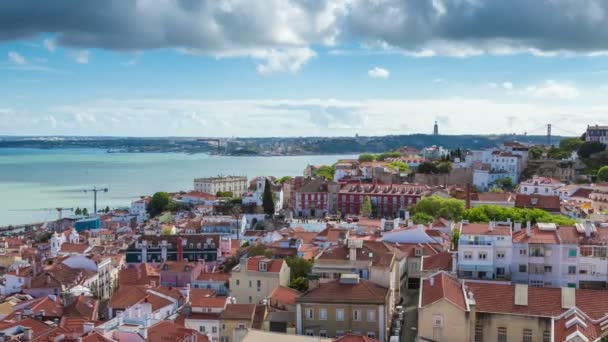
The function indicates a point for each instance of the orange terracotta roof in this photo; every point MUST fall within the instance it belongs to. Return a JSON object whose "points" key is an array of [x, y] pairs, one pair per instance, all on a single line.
{"points": [[336, 292], [273, 265], [284, 295], [202, 298], [548, 203], [354, 338], [239, 311], [78, 248], [214, 277], [83, 307], [38, 327], [443, 287], [438, 262], [484, 229], [536, 236], [167, 331]]}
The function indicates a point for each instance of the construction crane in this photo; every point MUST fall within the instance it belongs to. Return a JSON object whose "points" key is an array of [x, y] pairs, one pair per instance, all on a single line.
{"points": [[59, 210], [95, 190]]}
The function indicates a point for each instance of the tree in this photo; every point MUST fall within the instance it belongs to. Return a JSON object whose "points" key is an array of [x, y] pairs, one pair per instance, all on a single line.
{"points": [[225, 194], [455, 238], [386, 155], [602, 174], [166, 231], [267, 199], [398, 164], [558, 153], [366, 157], [444, 167], [283, 179], [106, 210], [78, 211], [257, 250], [300, 284], [590, 147], [535, 152], [496, 189], [427, 168], [326, 172], [570, 144], [435, 206], [486, 213], [160, 202], [299, 267], [422, 218], [366, 207], [229, 264], [85, 212], [505, 183]]}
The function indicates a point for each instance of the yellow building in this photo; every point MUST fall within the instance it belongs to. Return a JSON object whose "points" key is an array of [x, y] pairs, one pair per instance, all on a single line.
{"points": [[340, 307], [254, 279], [238, 317], [453, 310]]}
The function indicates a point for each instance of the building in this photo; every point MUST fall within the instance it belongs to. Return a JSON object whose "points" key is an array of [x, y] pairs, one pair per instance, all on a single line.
{"points": [[138, 209], [484, 250], [160, 248], [179, 273], [498, 311], [212, 185], [255, 195], [346, 305], [203, 312], [388, 200], [550, 203], [238, 317], [254, 279], [213, 281], [502, 199], [597, 133], [541, 186], [316, 198]]}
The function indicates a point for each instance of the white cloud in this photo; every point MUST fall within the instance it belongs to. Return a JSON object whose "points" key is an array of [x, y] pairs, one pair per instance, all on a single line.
{"points": [[507, 85], [81, 57], [378, 72], [15, 58], [553, 90], [50, 44], [291, 60], [439, 80]]}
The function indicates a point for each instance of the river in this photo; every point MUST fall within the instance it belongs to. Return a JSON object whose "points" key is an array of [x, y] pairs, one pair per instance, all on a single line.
{"points": [[32, 179]]}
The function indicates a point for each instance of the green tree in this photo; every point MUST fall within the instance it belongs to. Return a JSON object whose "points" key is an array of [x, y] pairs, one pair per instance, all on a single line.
{"points": [[435, 206], [428, 168], [326, 171], [166, 231], [422, 218], [385, 155], [300, 284], [397, 164], [504, 183], [259, 249], [570, 144], [299, 267], [455, 238], [283, 179], [161, 201], [602, 174], [229, 264], [78, 211], [558, 153], [106, 210], [366, 207], [535, 152], [590, 147], [225, 194], [85, 212], [267, 199], [496, 189], [444, 167], [366, 157], [487, 213]]}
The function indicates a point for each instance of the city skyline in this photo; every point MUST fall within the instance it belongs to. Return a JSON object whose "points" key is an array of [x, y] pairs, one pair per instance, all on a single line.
{"points": [[289, 68]]}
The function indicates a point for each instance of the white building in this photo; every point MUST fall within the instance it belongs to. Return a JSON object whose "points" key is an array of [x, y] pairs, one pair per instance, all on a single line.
{"points": [[256, 196], [59, 239], [597, 133], [541, 185], [138, 208], [484, 250], [212, 185], [500, 165]]}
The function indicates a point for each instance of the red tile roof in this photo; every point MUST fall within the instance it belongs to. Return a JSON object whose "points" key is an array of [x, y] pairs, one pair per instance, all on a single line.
{"points": [[335, 292], [273, 265], [284, 295], [443, 287], [239, 311], [438, 262], [354, 338], [536, 236], [214, 277], [583, 193], [77, 248], [484, 229], [202, 298], [166, 331], [548, 203]]}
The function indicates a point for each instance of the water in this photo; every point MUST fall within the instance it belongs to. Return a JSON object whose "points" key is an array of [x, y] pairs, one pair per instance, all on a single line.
{"points": [[37, 179]]}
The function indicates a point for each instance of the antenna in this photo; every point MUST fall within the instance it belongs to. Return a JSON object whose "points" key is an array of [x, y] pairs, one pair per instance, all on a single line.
{"points": [[95, 190]]}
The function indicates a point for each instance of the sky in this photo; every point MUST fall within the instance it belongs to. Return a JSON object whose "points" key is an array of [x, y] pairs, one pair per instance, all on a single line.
{"points": [[302, 68]]}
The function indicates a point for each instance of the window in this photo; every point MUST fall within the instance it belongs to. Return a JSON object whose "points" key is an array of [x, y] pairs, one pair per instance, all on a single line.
{"points": [[323, 314], [478, 331], [224, 339], [310, 314], [523, 268], [357, 315], [339, 333], [548, 269], [259, 285], [500, 254], [572, 253], [250, 299], [339, 314], [250, 283], [223, 326], [571, 269], [502, 334], [537, 283], [523, 251], [481, 274], [527, 336], [482, 255], [371, 315], [322, 333], [214, 330], [546, 336], [201, 328], [262, 267], [437, 321], [371, 334], [500, 272], [468, 255], [586, 251]]}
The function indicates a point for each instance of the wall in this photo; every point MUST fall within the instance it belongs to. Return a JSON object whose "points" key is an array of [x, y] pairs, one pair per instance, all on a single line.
{"points": [[331, 325], [455, 322], [515, 326], [457, 176]]}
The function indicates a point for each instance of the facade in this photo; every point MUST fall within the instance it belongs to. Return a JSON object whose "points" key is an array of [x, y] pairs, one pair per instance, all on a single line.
{"points": [[549, 203], [453, 310], [256, 195], [317, 198], [238, 317], [179, 273], [541, 186], [389, 200], [160, 248], [346, 305], [484, 250], [212, 185], [597, 133], [138, 208], [254, 279]]}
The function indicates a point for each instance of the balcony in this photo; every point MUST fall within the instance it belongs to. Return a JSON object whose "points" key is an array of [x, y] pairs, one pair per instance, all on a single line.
{"points": [[475, 243]]}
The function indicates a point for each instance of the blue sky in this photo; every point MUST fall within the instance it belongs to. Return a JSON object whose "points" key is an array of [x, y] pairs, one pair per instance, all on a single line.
{"points": [[289, 68]]}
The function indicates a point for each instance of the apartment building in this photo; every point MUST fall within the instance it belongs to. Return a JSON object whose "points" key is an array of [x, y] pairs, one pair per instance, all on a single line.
{"points": [[389, 200], [316, 198], [212, 185], [238, 317], [541, 186], [254, 279], [343, 306], [468, 310], [597, 133], [484, 250], [160, 248]]}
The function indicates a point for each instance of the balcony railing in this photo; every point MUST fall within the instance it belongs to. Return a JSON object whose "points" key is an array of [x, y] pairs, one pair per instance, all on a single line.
{"points": [[475, 243]]}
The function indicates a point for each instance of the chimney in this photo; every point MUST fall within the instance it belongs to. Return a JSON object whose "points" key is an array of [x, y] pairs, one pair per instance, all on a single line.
{"points": [[18, 315], [517, 226], [568, 297], [528, 229], [432, 281], [468, 196], [27, 333], [87, 327], [521, 294], [491, 226]]}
